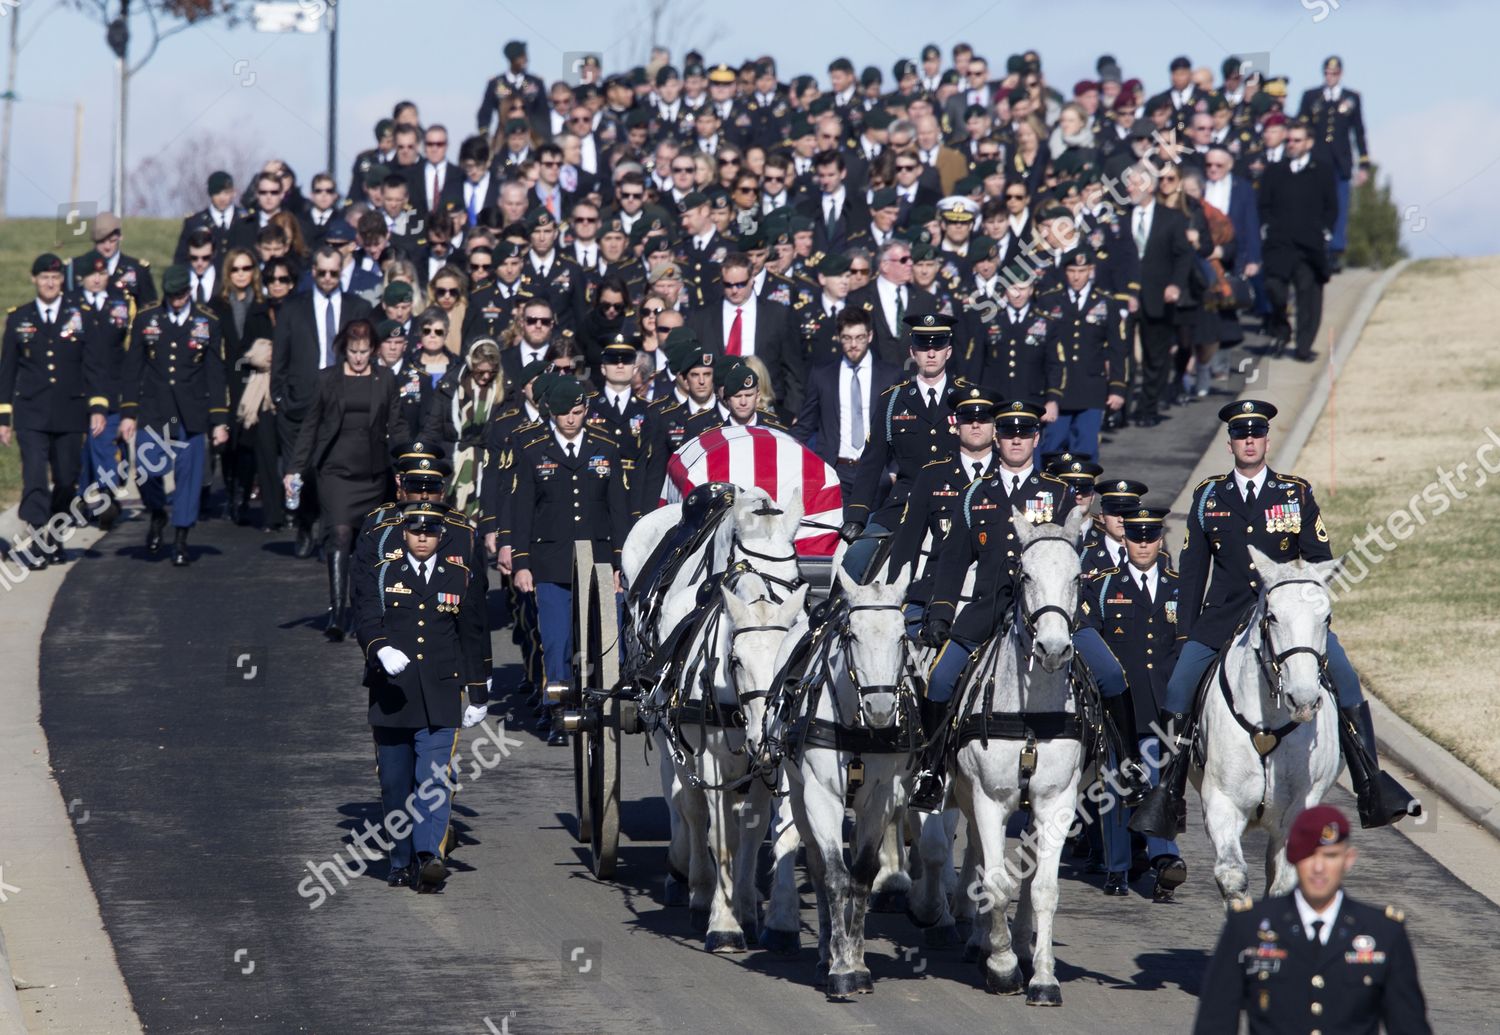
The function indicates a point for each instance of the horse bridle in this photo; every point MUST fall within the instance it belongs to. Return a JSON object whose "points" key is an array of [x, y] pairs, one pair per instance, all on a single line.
{"points": [[1271, 664], [1029, 618], [847, 638]]}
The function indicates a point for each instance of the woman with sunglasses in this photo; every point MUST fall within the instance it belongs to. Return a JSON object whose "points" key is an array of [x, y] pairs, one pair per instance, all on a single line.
{"points": [[730, 166], [255, 413], [604, 320], [240, 305], [431, 347], [449, 292], [461, 408], [346, 438]]}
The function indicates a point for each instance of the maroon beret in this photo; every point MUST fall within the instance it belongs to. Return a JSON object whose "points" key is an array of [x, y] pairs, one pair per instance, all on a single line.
{"points": [[1316, 827]]}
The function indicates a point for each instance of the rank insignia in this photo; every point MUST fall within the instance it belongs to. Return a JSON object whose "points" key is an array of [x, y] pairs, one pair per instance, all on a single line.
{"points": [[397, 588]]}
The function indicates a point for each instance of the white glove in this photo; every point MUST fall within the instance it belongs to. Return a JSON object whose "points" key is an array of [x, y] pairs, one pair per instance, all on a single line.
{"points": [[474, 714], [392, 660]]}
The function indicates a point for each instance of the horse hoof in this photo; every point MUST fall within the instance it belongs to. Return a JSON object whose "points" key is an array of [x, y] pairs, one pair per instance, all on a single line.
{"points": [[863, 983], [1006, 984], [888, 902], [675, 892], [698, 920], [782, 943], [1239, 902], [841, 986], [820, 975], [942, 936], [724, 941], [1044, 995]]}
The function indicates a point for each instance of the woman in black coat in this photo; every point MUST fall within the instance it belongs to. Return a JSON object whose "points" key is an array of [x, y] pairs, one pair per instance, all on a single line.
{"points": [[240, 305], [345, 443]]}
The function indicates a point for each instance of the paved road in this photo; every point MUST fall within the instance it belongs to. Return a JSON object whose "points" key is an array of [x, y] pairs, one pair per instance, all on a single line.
{"points": [[211, 793]]}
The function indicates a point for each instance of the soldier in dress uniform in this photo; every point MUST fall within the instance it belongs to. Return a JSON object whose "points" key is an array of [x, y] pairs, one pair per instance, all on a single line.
{"points": [[421, 624], [217, 218], [491, 308], [569, 486], [1093, 335], [53, 389], [817, 319], [692, 366], [548, 273], [737, 386], [1335, 116], [114, 311], [615, 411], [1104, 545], [515, 79], [1133, 608], [982, 534], [127, 274], [701, 248], [173, 385], [1025, 357], [1278, 514], [910, 426], [1314, 960]]}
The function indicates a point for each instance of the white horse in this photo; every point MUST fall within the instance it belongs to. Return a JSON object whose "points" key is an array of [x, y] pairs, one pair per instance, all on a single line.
{"points": [[1030, 670], [724, 803], [856, 676], [1270, 748]]}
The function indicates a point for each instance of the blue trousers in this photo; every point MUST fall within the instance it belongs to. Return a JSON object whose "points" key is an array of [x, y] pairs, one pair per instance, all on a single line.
{"points": [[1077, 431], [185, 460], [554, 608], [861, 551], [1340, 237], [1195, 658], [1101, 662], [945, 671], [1117, 836], [101, 458], [412, 764]]}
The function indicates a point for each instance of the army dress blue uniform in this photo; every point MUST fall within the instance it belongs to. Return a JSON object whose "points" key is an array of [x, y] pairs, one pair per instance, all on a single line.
{"points": [[53, 376], [1093, 336], [1024, 357], [1335, 118], [1267, 968], [113, 315], [438, 623]]}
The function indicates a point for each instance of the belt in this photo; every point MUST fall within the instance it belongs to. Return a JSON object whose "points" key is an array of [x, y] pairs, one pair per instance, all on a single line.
{"points": [[841, 462]]}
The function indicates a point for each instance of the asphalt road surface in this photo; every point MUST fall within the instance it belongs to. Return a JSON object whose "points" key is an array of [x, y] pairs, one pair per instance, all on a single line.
{"points": [[220, 747]]}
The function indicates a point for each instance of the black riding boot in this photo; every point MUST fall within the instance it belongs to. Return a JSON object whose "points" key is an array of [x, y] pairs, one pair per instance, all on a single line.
{"points": [[1381, 798], [338, 594], [305, 545], [927, 794], [1134, 784], [154, 531], [180, 558], [559, 736], [1157, 816]]}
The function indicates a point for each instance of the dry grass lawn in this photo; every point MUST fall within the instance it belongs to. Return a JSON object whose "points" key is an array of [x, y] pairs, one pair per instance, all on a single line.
{"points": [[1423, 624]]}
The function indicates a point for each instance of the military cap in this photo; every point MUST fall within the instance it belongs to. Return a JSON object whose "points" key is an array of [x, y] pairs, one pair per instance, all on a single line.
{"points": [[1018, 415], [533, 370], [396, 292], [799, 127], [974, 111], [1084, 86], [691, 200], [49, 263], [798, 223], [988, 168], [921, 250], [385, 330], [515, 49], [833, 264], [564, 393], [1015, 64], [1143, 129], [638, 76], [927, 327], [1276, 87], [1217, 102], [1124, 103], [1276, 118], [718, 197], [538, 218], [949, 78], [1052, 212], [375, 176], [735, 376], [687, 354], [921, 214], [423, 516], [1102, 60], [1109, 74], [752, 240], [1119, 495], [1248, 418], [821, 104], [777, 231], [338, 231], [1145, 524], [664, 271], [1179, 63], [871, 76], [1333, 63], [885, 197], [721, 73], [584, 92], [1017, 95], [931, 50], [692, 68], [502, 251], [175, 281], [621, 344], [969, 401], [1314, 828], [968, 186], [765, 66], [982, 248], [637, 117], [1064, 456], [384, 127], [956, 208], [1076, 471], [416, 449], [903, 68], [415, 464], [89, 262], [220, 180], [516, 126], [1079, 257], [878, 118]]}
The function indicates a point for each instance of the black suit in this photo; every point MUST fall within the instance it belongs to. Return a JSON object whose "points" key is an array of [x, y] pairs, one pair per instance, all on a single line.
{"points": [[419, 177], [822, 418], [890, 342], [852, 223], [776, 344], [324, 420], [1167, 260], [1298, 211], [203, 220]]}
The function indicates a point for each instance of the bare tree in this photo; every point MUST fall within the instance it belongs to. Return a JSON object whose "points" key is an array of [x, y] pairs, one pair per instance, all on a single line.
{"points": [[672, 25], [173, 183]]}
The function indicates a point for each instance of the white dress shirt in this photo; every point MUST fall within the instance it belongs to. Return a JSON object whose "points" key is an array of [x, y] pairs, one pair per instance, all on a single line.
{"points": [[1259, 481], [747, 325], [1308, 915], [851, 438], [886, 292], [617, 400], [1216, 193], [1298, 164], [1151, 577], [587, 253], [836, 200]]}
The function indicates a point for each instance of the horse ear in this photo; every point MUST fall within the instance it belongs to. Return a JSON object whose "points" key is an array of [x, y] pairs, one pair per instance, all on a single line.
{"points": [[797, 602], [1263, 564], [791, 520], [1022, 526], [739, 614], [1328, 570], [849, 586], [1076, 522], [899, 583]]}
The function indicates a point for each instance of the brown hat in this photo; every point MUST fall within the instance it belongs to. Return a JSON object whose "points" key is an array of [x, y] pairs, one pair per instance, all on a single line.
{"points": [[105, 223]]}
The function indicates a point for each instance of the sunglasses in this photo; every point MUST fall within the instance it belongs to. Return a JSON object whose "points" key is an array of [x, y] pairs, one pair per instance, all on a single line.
{"points": [[684, 168], [281, 280], [735, 285], [907, 167], [631, 195], [581, 118], [904, 260], [327, 273], [728, 160], [480, 267], [585, 219], [551, 163], [774, 179], [201, 258], [1169, 179], [562, 367], [611, 305], [241, 269], [651, 312], [744, 190], [435, 143], [445, 292], [432, 332], [1015, 197], [862, 271], [324, 190], [266, 193], [539, 321]]}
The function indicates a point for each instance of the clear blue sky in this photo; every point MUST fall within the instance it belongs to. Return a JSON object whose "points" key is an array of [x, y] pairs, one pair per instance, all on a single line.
{"points": [[1426, 74]]}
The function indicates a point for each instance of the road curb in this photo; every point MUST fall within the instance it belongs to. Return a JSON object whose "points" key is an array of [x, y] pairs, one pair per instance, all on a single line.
{"points": [[12, 1018]]}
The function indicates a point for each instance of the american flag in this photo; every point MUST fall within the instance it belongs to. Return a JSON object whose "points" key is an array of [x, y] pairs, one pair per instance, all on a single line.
{"points": [[771, 460]]}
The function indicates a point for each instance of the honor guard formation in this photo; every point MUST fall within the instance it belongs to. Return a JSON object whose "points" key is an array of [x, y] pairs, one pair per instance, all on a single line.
{"points": [[951, 282]]}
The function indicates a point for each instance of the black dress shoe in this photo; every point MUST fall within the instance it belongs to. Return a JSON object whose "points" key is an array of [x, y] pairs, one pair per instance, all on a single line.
{"points": [[430, 873], [1149, 421], [1114, 884], [1170, 872], [1306, 357], [558, 737], [399, 877], [109, 515], [180, 558], [154, 530]]}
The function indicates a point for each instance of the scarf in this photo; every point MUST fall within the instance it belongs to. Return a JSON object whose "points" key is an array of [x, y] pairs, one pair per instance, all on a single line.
{"points": [[257, 396]]}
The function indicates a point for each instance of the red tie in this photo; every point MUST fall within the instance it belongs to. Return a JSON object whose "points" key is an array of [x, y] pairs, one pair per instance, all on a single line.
{"points": [[436, 187], [732, 347]]}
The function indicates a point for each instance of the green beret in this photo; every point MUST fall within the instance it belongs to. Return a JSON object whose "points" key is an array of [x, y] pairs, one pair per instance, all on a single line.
{"points": [[833, 264], [968, 185], [921, 215], [987, 169], [885, 197], [753, 241], [691, 200], [49, 263], [396, 292], [174, 281], [981, 248], [686, 354], [878, 118], [564, 393], [517, 126], [533, 370], [735, 377], [89, 262], [921, 251], [385, 330]]}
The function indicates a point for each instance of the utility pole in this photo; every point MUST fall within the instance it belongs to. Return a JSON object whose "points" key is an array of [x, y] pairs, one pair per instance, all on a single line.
{"points": [[333, 89], [10, 103], [77, 151], [118, 38]]}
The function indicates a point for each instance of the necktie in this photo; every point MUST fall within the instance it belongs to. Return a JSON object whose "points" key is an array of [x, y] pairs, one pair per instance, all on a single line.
{"points": [[1249, 494], [552, 206], [732, 346], [330, 331], [201, 295], [831, 213], [978, 469], [932, 398], [1145, 586], [900, 309], [1015, 484], [1140, 232], [856, 409], [1317, 932], [436, 187], [1328, 96], [47, 316], [473, 204], [572, 450], [620, 405]]}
